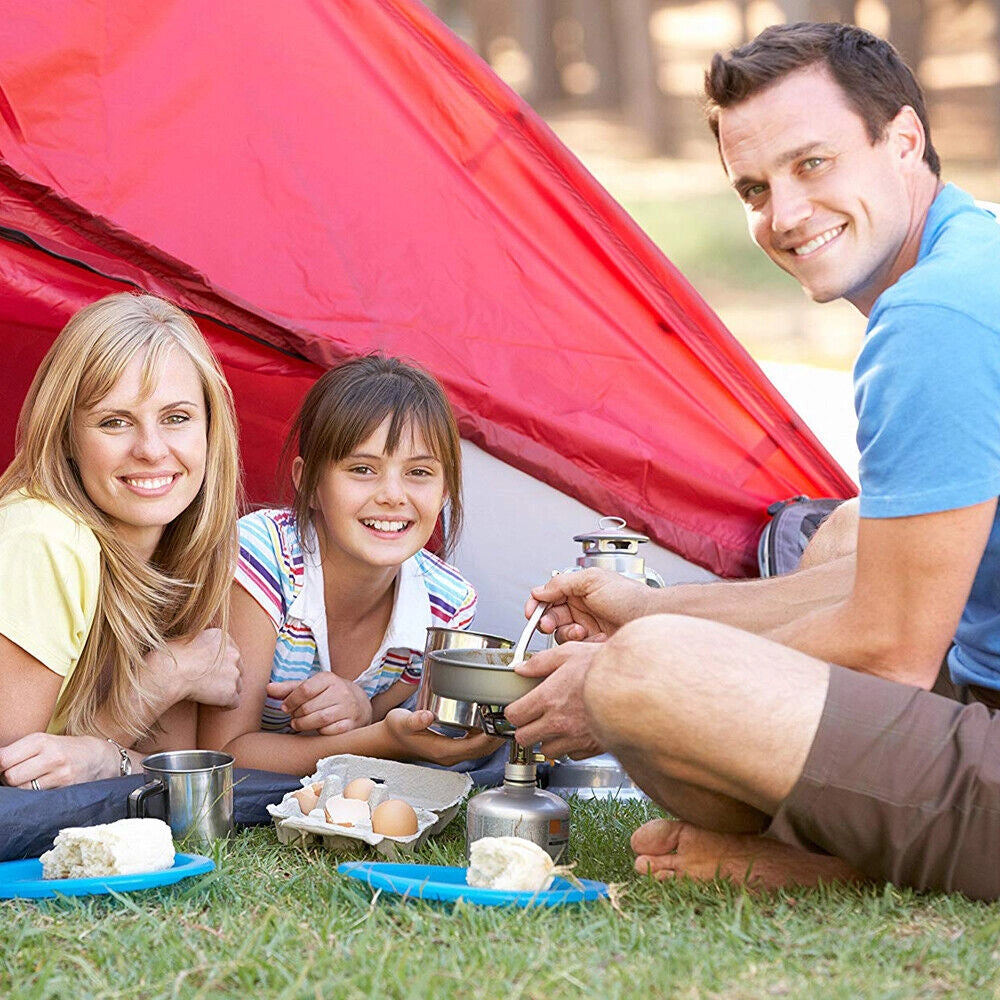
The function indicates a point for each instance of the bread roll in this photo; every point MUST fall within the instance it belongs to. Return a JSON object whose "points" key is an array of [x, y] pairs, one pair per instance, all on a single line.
{"points": [[127, 847], [509, 863]]}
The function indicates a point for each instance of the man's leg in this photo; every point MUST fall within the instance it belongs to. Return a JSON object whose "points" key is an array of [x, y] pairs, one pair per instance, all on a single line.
{"points": [[837, 536], [667, 848], [715, 724]]}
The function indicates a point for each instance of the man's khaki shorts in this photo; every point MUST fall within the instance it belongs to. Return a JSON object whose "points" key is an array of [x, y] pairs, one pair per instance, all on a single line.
{"points": [[903, 784]]}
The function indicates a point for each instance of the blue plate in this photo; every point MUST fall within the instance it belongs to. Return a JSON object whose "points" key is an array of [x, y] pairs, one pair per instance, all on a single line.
{"points": [[23, 879], [446, 883]]}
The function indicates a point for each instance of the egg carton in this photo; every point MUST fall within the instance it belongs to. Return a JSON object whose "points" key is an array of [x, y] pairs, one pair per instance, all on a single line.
{"points": [[434, 794]]}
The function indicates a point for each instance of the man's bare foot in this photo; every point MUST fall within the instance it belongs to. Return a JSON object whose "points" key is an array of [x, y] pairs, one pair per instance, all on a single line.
{"points": [[669, 848]]}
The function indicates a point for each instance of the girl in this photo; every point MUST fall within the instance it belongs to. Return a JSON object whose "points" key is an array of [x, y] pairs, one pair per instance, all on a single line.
{"points": [[117, 546], [333, 597]]}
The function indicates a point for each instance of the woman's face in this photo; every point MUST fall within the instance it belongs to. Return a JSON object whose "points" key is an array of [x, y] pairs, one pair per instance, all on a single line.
{"points": [[142, 461], [376, 508]]}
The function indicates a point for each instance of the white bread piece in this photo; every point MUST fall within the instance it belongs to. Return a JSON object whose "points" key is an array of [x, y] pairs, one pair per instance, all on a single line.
{"points": [[126, 847], [509, 863]]}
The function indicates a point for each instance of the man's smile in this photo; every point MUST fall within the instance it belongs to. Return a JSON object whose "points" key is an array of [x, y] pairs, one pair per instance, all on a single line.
{"points": [[818, 241]]}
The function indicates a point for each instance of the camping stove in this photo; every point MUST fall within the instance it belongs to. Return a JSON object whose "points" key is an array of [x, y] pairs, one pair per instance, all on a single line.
{"points": [[518, 808], [615, 548], [482, 683]]}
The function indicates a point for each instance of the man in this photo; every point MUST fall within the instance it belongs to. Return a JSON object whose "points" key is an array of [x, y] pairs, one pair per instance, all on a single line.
{"points": [[800, 707]]}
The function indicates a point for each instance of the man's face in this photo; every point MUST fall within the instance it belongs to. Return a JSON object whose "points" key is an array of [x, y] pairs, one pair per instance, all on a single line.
{"points": [[834, 211]]}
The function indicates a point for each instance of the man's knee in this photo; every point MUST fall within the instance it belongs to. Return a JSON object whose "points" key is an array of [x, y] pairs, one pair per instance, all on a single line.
{"points": [[837, 536], [642, 668]]}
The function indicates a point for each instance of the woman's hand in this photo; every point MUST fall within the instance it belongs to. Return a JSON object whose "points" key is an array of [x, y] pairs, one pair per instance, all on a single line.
{"points": [[588, 604], [324, 703], [413, 741], [55, 761], [204, 669]]}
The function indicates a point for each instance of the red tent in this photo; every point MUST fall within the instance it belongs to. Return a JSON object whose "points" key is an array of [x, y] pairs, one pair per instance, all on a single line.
{"points": [[318, 179]]}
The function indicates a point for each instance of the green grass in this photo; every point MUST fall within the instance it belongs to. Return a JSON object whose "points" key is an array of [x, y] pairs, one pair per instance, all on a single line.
{"points": [[274, 921]]}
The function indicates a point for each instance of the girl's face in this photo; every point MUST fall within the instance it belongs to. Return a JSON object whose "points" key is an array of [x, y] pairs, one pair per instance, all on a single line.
{"points": [[378, 508], [142, 461]]}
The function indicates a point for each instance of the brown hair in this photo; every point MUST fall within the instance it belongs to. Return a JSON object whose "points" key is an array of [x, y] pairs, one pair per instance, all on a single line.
{"points": [[874, 79], [348, 403], [185, 587]]}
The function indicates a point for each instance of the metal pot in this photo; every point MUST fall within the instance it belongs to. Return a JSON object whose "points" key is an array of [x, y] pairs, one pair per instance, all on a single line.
{"points": [[482, 677], [453, 712]]}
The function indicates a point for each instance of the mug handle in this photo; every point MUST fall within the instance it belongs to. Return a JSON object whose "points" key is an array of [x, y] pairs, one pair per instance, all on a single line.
{"points": [[137, 799]]}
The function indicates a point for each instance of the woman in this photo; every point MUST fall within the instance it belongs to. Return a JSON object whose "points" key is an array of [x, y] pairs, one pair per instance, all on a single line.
{"points": [[333, 596], [117, 546]]}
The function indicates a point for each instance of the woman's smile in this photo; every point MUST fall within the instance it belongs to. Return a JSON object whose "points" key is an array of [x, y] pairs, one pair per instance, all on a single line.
{"points": [[141, 454]]}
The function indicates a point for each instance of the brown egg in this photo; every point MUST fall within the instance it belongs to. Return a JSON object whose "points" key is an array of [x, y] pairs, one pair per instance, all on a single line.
{"points": [[307, 799], [394, 818], [359, 788]]}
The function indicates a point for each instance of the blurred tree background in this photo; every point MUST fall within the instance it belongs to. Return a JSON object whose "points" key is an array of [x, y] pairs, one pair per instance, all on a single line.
{"points": [[620, 81]]}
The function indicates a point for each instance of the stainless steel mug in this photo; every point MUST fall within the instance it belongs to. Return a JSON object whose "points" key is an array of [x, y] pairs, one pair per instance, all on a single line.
{"points": [[197, 791], [454, 718]]}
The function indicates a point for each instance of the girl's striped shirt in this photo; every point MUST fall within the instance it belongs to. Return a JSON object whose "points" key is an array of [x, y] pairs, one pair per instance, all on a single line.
{"points": [[287, 582]]}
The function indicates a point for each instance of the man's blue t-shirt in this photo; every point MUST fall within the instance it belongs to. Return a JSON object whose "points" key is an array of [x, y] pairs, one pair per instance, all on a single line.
{"points": [[927, 395]]}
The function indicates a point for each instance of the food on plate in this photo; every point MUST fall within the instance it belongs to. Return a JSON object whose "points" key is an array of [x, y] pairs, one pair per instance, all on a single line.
{"points": [[360, 788], [509, 863], [394, 818], [347, 812], [308, 797], [126, 847]]}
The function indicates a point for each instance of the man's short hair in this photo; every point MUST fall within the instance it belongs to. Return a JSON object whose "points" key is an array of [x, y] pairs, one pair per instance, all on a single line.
{"points": [[871, 73]]}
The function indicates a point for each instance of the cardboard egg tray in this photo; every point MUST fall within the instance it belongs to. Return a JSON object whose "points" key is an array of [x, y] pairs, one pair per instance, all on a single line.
{"points": [[435, 796]]}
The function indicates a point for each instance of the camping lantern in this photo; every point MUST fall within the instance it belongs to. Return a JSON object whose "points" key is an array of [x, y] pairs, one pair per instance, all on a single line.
{"points": [[614, 547]]}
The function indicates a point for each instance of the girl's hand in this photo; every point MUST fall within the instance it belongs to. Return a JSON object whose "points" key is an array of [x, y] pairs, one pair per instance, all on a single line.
{"points": [[323, 702], [54, 761], [413, 741]]}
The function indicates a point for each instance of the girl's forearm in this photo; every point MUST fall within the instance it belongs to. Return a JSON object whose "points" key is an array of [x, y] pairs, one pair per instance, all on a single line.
{"points": [[294, 753]]}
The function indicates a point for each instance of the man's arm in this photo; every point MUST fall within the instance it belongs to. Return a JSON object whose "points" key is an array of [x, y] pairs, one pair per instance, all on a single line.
{"points": [[596, 602], [762, 606], [913, 578], [891, 610]]}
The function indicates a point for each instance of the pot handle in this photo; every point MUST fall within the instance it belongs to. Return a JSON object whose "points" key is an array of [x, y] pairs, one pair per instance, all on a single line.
{"points": [[529, 630]]}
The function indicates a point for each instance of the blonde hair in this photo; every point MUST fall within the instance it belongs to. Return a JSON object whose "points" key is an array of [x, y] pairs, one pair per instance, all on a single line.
{"points": [[185, 587]]}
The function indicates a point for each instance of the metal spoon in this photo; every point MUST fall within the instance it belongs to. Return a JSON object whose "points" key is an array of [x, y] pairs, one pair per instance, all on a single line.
{"points": [[527, 632]]}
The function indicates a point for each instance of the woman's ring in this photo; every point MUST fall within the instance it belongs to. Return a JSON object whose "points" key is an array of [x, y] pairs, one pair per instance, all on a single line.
{"points": [[34, 784]]}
